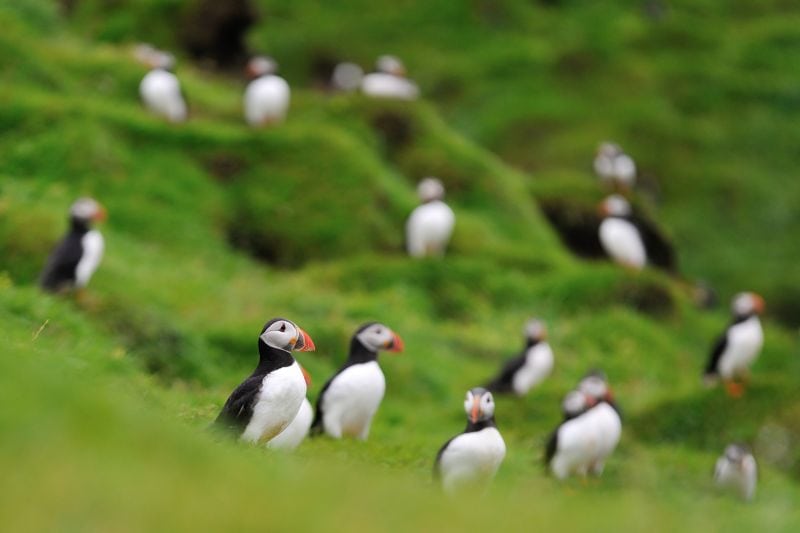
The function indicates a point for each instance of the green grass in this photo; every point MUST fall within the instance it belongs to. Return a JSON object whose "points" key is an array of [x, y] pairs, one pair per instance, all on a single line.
{"points": [[106, 400]]}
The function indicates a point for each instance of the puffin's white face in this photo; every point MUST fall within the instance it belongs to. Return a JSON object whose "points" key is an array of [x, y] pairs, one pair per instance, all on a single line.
{"points": [[735, 453], [165, 60], [535, 330], [377, 337], [430, 189], [595, 387], [285, 335], [574, 403], [615, 205], [479, 404], [747, 303], [261, 66], [347, 76], [87, 209], [391, 65], [609, 149]]}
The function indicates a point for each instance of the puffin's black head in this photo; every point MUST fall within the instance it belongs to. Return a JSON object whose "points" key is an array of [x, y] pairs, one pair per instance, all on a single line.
{"points": [[285, 335], [615, 206], [479, 405], [595, 386], [86, 210], [375, 337], [535, 330], [746, 304]]}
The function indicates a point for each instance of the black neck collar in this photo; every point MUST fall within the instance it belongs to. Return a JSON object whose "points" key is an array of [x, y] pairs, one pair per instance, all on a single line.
{"points": [[77, 225], [530, 343], [360, 353], [479, 425], [271, 358], [738, 319]]}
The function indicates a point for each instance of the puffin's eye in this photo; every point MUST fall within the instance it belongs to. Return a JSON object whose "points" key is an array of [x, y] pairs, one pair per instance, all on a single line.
{"points": [[283, 327], [379, 331]]}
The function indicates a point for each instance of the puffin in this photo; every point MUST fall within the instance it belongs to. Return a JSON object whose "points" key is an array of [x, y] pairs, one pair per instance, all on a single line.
{"points": [[351, 397], [736, 469], [74, 260], [389, 81], [528, 369], [266, 98], [619, 235], [614, 167], [346, 77], [473, 456], [291, 437], [160, 89], [604, 415], [270, 398], [430, 225], [739, 345], [569, 448]]}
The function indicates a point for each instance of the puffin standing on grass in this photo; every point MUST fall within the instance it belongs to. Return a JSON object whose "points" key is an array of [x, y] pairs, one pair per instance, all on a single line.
{"points": [[529, 368], [474, 456], [738, 347], [569, 448], [605, 417], [619, 236], [266, 402], [266, 98], [291, 437], [737, 469], [430, 225], [389, 81], [160, 89], [72, 263], [350, 399]]}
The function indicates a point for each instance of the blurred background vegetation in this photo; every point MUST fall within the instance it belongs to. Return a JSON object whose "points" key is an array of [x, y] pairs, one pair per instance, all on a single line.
{"points": [[215, 228]]}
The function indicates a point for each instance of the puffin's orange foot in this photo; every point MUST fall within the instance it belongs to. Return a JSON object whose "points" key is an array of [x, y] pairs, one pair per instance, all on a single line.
{"points": [[734, 389]]}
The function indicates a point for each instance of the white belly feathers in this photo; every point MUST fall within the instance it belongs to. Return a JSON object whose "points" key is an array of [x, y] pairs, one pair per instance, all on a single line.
{"points": [[352, 399], [744, 344], [93, 246], [472, 457], [278, 402]]}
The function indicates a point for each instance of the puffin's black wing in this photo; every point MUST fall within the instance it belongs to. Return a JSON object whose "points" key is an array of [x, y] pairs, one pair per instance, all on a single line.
{"points": [[660, 251], [551, 447], [62, 263], [716, 354], [316, 426], [505, 379], [238, 410], [437, 465]]}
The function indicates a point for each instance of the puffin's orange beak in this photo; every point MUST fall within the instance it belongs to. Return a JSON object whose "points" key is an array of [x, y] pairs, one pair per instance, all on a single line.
{"points": [[609, 396], [590, 400], [308, 344], [396, 344], [602, 210], [100, 215], [306, 376], [476, 409], [759, 305]]}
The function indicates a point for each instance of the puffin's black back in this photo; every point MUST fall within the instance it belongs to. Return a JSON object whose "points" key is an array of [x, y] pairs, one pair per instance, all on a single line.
{"points": [[503, 383], [59, 271]]}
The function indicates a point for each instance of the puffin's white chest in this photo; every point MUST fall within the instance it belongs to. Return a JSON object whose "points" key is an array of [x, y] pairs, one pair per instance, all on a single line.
{"points": [[743, 479], [538, 365], [353, 398], [607, 429], [93, 246], [266, 98], [622, 242], [277, 403], [161, 92], [744, 343], [429, 228], [291, 437], [382, 85], [470, 457]]}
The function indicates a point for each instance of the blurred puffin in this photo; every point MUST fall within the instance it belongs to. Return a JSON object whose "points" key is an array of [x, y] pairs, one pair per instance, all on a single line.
{"points": [[389, 81], [736, 469], [350, 399], [266, 98], [473, 456], [347, 77], [605, 417], [291, 437], [270, 398], [614, 167], [430, 225], [619, 236], [530, 367], [160, 89], [739, 345], [569, 449], [74, 260]]}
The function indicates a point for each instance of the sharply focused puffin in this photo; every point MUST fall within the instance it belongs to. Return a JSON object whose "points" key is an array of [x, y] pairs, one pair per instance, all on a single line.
{"points": [[614, 167], [389, 81], [266, 98], [619, 236], [160, 89], [530, 367], [72, 263], [739, 345], [291, 437], [350, 398], [267, 401], [736, 469], [473, 456], [430, 225]]}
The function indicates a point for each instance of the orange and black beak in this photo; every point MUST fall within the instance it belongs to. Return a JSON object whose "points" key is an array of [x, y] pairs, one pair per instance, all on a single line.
{"points": [[304, 343], [758, 304], [591, 401], [396, 344], [100, 215], [475, 412], [306, 376]]}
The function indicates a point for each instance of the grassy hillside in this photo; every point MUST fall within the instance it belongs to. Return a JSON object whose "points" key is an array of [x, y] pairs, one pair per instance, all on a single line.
{"points": [[215, 228]]}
